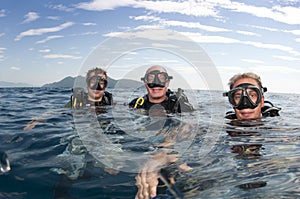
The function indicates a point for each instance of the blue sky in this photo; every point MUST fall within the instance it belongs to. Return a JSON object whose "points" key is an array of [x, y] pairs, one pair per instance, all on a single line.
{"points": [[45, 41]]}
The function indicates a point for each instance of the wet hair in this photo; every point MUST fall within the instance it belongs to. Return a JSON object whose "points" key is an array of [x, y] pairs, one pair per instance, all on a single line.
{"points": [[244, 75], [97, 71]]}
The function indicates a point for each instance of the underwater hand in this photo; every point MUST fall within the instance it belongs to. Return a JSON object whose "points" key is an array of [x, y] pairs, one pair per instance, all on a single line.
{"points": [[147, 179], [33, 123]]}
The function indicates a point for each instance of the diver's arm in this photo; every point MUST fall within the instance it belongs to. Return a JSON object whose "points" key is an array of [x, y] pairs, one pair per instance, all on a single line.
{"points": [[30, 125]]}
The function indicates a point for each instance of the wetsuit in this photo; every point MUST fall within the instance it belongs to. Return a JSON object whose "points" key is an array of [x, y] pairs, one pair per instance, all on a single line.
{"points": [[174, 103], [268, 110], [79, 99]]}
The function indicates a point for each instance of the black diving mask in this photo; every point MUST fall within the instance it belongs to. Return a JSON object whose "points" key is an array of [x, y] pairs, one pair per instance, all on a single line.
{"points": [[156, 78], [245, 96], [97, 83]]}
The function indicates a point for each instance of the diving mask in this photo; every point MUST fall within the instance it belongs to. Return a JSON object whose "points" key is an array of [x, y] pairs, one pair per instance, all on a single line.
{"points": [[156, 78], [97, 83], [245, 96]]}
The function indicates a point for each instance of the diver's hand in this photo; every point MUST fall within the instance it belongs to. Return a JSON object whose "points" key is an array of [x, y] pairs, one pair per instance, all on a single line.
{"points": [[30, 125], [147, 179], [41, 119]]}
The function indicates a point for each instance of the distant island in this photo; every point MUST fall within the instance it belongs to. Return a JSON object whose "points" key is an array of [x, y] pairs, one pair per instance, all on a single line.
{"points": [[4, 84], [68, 82]]}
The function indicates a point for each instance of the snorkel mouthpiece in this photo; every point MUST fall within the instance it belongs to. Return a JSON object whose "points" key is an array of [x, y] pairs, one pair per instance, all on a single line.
{"points": [[152, 85]]}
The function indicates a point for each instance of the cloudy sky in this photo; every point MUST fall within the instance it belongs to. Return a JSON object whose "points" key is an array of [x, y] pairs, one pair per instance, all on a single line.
{"points": [[45, 41]]}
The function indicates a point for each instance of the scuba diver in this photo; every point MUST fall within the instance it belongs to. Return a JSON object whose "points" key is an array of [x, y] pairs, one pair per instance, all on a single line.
{"points": [[96, 97], [96, 83], [157, 81], [246, 96], [159, 102]]}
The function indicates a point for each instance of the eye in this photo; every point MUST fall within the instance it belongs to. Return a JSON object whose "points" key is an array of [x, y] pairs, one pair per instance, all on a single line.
{"points": [[162, 77]]}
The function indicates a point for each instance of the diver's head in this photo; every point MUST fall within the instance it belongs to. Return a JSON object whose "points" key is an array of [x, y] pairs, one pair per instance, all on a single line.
{"points": [[157, 82], [246, 95], [96, 83]]}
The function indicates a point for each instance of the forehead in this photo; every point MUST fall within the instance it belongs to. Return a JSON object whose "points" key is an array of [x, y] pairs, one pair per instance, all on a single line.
{"points": [[153, 68], [245, 80], [99, 74]]}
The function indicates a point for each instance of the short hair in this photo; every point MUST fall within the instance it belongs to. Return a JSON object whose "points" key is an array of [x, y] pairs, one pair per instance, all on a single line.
{"points": [[239, 76], [97, 71], [161, 68]]}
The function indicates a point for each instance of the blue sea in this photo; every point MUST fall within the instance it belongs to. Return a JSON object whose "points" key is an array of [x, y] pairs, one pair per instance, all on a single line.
{"points": [[93, 154]]}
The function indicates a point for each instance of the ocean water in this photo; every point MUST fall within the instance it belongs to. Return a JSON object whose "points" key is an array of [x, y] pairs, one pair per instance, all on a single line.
{"points": [[81, 154]]}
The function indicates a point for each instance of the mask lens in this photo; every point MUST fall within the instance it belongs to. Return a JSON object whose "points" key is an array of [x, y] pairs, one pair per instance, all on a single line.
{"points": [[149, 78], [253, 94], [97, 81], [156, 77], [235, 96], [247, 96], [162, 77]]}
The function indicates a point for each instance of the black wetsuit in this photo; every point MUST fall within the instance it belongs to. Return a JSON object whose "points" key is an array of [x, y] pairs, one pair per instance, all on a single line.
{"points": [[172, 104], [79, 99]]}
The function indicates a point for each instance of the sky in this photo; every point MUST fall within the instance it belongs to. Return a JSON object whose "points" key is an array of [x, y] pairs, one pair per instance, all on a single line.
{"points": [[201, 43]]}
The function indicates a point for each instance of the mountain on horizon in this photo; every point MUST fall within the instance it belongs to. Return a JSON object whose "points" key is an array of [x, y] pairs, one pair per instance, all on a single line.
{"points": [[68, 82], [4, 84]]}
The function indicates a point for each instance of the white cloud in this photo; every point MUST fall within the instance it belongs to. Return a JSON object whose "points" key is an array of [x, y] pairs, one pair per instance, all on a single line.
{"points": [[2, 13], [15, 68], [89, 24], [61, 7], [288, 15], [58, 56], [183, 7], [194, 25], [269, 46], [99, 5], [145, 18], [45, 50], [55, 18], [49, 38], [2, 34], [41, 31], [2, 49], [276, 69], [31, 16], [287, 58], [295, 32], [284, 14], [247, 33], [264, 28], [252, 61]]}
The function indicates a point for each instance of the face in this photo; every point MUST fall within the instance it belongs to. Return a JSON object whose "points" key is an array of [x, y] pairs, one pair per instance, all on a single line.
{"points": [[248, 113], [96, 86], [156, 94]]}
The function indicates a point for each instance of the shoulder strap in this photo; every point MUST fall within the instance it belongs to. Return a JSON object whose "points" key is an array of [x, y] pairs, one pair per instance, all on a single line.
{"points": [[108, 98], [139, 102], [269, 110], [78, 99]]}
